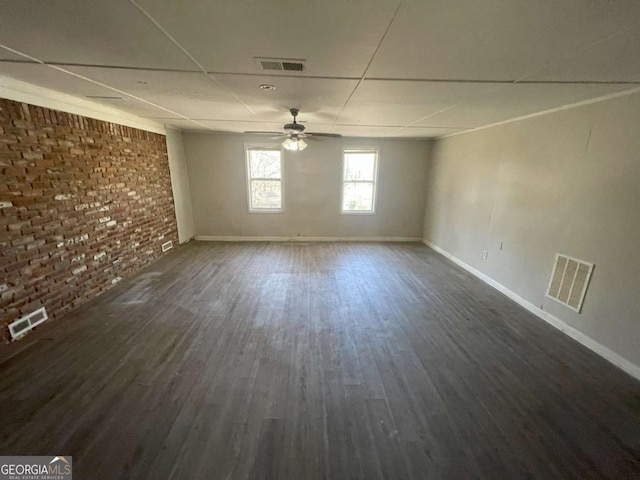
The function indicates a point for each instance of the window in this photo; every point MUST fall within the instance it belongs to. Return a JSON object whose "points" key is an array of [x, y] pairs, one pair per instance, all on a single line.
{"points": [[264, 179], [359, 174]]}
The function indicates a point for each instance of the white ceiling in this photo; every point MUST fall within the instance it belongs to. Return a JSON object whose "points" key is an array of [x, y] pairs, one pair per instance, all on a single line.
{"points": [[377, 68]]}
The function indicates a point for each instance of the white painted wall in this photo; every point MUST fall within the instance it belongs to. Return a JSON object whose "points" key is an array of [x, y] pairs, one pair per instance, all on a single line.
{"points": [[180, 185], [312, 182], [565, 182]]}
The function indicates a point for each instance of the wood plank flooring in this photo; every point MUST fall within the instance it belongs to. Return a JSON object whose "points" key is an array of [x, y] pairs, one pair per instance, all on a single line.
{"points": [[316, 361]]}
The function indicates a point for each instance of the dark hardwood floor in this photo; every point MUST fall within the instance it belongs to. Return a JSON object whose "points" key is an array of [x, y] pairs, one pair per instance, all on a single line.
{"points": [[315, 361]]}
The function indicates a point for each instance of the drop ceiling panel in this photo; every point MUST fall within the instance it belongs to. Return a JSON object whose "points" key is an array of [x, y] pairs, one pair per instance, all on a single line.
{"points": [[467, 39], [316, 127], [48, 77], [516, 100], [426, 132], [181, 124], [336, 38], [191, 94], [9, 55], [616, 59], [411, 132], [217, 125], [319, 100], [399, 103], [240, 127], [205, 108], [377, 131], [366, 131], [92, 32]]}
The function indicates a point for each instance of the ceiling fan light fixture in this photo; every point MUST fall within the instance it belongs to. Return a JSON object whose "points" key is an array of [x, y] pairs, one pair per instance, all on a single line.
{"points": [[290, 144], [294, 144]]}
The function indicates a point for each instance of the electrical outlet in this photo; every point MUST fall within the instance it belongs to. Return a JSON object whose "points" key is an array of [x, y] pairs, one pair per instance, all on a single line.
{"points": [[485, 254]]}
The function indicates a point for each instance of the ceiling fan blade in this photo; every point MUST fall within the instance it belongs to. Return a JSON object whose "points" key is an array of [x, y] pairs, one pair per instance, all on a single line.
{"points": [[325, 135]]}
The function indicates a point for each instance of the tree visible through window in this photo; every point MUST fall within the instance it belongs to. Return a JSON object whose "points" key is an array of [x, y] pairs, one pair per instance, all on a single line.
{"points": [[359, 180], [264, 172]]}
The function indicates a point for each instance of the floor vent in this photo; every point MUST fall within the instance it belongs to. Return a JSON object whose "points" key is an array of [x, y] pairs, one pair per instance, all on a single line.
{"points": [[167, 246], [569, 281], [282, 64], [28, 322]]}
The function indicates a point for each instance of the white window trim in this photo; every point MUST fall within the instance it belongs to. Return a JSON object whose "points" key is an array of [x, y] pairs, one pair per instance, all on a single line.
{"points": [[376, 170], [247, 176]]}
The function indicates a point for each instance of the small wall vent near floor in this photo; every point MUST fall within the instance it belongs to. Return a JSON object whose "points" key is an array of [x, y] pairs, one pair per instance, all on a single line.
{"points": [[569, 281], [282, 64], [28, 322], [167, 246]]}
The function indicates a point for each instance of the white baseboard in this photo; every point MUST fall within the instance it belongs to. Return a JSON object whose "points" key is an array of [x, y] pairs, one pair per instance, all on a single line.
{"points": [[208, 238], [606, 353]]}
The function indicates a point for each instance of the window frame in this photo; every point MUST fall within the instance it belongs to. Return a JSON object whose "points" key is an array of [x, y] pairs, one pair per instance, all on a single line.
{"points": [[376, 169], [252, 146]]}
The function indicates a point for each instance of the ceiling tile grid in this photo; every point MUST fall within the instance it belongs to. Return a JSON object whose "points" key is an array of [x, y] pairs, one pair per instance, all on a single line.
{"points": [[373, 68]]}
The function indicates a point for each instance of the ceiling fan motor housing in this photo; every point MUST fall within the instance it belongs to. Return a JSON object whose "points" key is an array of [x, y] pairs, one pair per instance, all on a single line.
{"points": [[294, 127]]}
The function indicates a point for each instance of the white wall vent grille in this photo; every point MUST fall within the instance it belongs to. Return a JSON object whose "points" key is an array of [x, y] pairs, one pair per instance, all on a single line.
{"points": [[167, 246], [569, 281], [28, 322], [282, 64]]}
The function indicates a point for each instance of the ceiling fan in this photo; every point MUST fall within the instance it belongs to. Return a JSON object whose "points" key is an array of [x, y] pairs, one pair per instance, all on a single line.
{"points": [[294, 133]]}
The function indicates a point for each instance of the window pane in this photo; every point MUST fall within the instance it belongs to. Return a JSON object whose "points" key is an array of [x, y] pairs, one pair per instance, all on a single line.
{"points": [[357, 197], [266, 194], [359, 166], [264, 163]]}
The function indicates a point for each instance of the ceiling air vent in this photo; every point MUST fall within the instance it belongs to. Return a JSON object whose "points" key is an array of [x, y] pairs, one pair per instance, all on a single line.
{"points": [[293, 66], [281, 64], [569, 281]]}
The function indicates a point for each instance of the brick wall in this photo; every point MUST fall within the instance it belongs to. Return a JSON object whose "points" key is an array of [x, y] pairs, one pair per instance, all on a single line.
{"points": [[83, 193]]}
